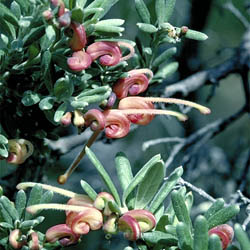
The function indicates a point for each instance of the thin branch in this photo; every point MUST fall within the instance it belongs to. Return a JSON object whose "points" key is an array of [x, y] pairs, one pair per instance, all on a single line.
{"points": [[199, 191]]}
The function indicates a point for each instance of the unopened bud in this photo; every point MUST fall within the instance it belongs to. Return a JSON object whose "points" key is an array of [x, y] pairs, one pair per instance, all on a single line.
{"points": [[48, 15], [66, 119], [65, 19], [78, 120]]}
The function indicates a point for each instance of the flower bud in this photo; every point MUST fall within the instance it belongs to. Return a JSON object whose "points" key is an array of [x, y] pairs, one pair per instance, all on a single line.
{"points": [[63, 234], [65, 19], [48, 15], [78, 119], [101, 202], [14, 238], [79, 40], [66, 119], [34, 243], [110, 224], [225, 232]]}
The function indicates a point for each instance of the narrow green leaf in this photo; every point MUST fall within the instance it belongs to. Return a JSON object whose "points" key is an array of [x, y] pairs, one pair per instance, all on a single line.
{"points": [[9, 207], [107, 5], [88, 12], [6, 14], [95, 4], [34, 35], [169, 9], [200, 233], [139, 177], [223, 215], [180, 208], [34, 198], [114, 207], [98, 90], [3, 139], [30, 98], [112, 22], [214, 208], [81, 3], [50, 35], [60, 112], [20, 202], [77, 15], [106, 178], [3, 151], [163, 57], [196, 35], [184, 236], [167, 70], [47, 197], [160, 237], [170, 229], [7, 28], [149, 185], [89, 190], [164, 220], [46, 103], [165, 189], [6, 225], [46, 67], [242, 237], [63, 89], [108, 28], [189, 199], [214, 242], [147, 28], [160, 10], [142, 11], [28, 224], [5, 215], [123, 169], [72, 4], [15, 9]]}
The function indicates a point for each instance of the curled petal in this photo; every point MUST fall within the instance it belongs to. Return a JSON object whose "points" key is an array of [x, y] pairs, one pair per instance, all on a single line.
{"points": [[225, 232], [95, 119], [109, 52], [137, 103], [63, 234], [79, 40], [145, 219], [81, 223], [34, 244], [145, 71], [110, 224], [19, 150], [82, 200], [117, 125], [79, 61], [129, 47], [130, 227], [14, 238], [107, 104]]}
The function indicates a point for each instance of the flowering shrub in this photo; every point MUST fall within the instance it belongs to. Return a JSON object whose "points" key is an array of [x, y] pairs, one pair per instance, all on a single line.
{"points": [[63, 64]]}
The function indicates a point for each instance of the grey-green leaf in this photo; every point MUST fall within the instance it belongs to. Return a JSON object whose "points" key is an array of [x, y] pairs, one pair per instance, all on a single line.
{"points": [[200, 233], [20, 202], [142, 11], [163, 57], [89, 190], [160, 237], [149, 185], [165, 189], [140, 176], [30, 98], [123, 170], [63, 89], [147, 28], [196, 35], [169, 9], [242, 237], [160, 10], [9, 207], [46, 103], [106, 178], [3, 139], [60, 112]]}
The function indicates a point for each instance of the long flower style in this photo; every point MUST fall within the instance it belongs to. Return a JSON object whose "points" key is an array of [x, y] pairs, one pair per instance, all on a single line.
{"points": [[136, 83]]}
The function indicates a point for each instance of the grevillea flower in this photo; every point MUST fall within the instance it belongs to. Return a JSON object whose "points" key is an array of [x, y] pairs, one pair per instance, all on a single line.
{"points": [[79, 39], [117, 125], [63, 234], [136, 83], [110, 225], [95, 119], [48, 15], [79, 61], [109, 53], [19, 150], [82, 222], [101, 202], [65, 19], [78, 119], [225, 232], [14, 239], [82, 200]]}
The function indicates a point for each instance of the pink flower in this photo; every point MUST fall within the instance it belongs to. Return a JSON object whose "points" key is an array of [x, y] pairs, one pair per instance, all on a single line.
{"points": [[79, 39]]}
